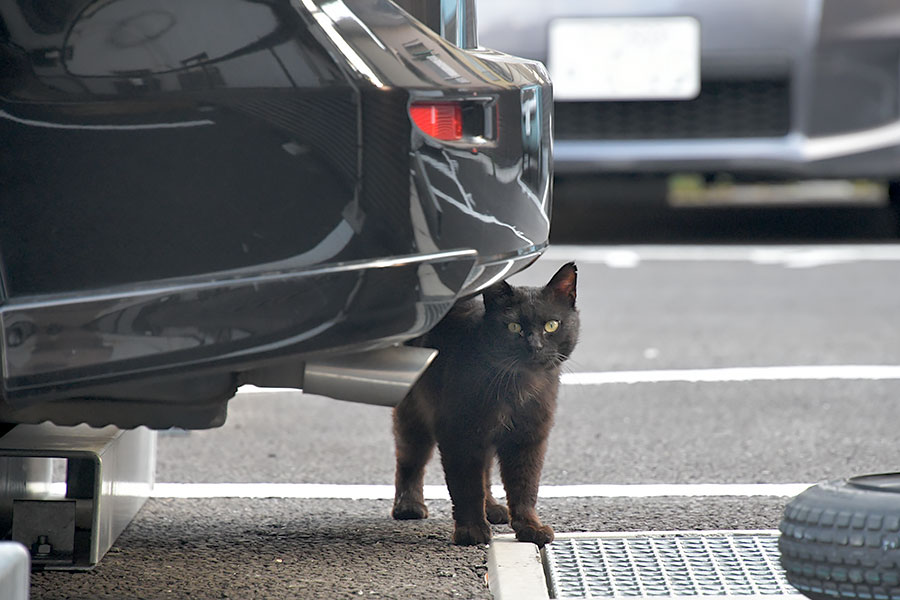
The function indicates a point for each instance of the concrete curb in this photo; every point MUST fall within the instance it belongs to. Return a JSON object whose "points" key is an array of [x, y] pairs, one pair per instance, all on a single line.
{"points": [[515, 570]]}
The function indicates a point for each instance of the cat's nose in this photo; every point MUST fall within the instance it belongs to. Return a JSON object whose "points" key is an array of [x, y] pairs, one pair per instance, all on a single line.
{"points": [[535, 341]]}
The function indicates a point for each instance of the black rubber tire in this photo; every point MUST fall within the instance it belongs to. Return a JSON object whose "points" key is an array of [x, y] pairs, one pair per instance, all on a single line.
{"points": [[841, 539]]}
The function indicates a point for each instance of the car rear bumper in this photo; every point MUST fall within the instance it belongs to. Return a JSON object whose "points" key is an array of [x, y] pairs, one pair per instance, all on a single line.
{"points": [[85, 345], [172, 353], [870, 153]]}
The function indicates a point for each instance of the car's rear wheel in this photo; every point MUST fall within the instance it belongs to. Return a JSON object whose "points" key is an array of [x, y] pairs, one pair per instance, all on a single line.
{"points": [[841, 539]]}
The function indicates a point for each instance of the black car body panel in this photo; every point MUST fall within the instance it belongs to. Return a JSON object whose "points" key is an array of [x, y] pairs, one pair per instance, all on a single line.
{"points": [[189, 189]]}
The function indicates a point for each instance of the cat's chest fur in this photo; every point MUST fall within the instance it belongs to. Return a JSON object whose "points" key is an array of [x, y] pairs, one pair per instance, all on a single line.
{"points": [[526, 403], [473, 384]]}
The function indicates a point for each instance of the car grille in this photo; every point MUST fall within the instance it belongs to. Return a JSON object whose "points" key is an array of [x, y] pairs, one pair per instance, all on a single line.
{"points": [[724, 109]]}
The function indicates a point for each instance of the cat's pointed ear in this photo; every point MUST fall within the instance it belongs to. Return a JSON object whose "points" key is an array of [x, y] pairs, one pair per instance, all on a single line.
{"points": [[563, 283], [497, 294]]}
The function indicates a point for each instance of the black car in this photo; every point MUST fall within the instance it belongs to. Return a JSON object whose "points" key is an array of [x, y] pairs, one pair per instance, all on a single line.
{"points": [[199, 194]]}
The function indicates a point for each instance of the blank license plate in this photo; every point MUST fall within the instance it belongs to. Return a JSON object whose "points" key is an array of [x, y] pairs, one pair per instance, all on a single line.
{"points": [[647, 58]]}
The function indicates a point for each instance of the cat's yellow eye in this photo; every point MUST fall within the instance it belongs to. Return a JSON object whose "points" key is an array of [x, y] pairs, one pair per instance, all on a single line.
{"points": [[514, 327], [551, 326]]}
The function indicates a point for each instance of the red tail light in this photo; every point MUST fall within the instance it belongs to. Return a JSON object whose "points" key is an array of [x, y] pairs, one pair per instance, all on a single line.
{"points": [[441, 120]]}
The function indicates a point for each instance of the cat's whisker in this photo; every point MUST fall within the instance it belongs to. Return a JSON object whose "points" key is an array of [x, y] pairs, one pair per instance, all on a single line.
{"points": [[570, 364], [503, 376], [508, 378], [505, 367], [564, 363], [511, 379]]}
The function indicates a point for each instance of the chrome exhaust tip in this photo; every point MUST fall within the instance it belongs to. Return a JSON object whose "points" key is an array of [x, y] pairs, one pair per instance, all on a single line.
{"points": [[381, 377]]}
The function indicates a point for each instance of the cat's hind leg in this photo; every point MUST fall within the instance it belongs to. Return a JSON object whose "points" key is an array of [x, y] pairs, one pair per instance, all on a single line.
{"points": [[414, 445], [496, 513]]}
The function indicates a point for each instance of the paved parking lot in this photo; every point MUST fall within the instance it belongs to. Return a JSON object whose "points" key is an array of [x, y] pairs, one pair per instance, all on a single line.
{"points": [[666, 316]]}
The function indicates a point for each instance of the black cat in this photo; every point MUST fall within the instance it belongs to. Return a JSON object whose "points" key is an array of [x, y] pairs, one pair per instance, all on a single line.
{"points": [[491, 390]]}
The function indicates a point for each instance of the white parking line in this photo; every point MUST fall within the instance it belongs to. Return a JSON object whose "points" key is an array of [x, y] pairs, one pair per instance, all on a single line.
{"points": [[736, 374], [311, 491], [786, 256], [719, 375]]}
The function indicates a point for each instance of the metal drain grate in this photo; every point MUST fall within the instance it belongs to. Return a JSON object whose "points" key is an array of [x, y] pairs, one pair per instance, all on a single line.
{"points": [[666, 565]]}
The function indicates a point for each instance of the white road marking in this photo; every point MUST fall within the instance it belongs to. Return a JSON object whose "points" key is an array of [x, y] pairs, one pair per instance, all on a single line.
{"points": [[719, 375], [623, 257], [439, 492], [736, 374]]}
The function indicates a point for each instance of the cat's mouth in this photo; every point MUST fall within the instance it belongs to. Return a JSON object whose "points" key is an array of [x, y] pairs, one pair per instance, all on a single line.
{"points": [[528, 362], [548, 361]]}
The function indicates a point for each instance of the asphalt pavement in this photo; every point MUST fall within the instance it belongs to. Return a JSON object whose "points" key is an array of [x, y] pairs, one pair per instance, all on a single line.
{"points": [[658, 311]]}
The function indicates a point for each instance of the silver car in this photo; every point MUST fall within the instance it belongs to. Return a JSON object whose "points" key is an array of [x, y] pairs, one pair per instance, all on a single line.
{"points": [[768, 88]]}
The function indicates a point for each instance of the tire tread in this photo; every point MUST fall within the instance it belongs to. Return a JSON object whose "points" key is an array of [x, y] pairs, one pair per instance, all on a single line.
{"points": [[839, 541]]}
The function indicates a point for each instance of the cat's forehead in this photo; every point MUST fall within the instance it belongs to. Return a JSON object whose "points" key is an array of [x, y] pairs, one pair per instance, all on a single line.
{"points": [[528, 302]]}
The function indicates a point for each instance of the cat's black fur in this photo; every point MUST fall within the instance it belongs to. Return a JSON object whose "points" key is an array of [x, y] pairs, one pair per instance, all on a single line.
{"points": [[490, 391]]}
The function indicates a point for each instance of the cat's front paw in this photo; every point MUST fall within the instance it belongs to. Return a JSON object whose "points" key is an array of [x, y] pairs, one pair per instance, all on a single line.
{"points": [[497, 513], [472, 535], [537, 533], [408, 510]]}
